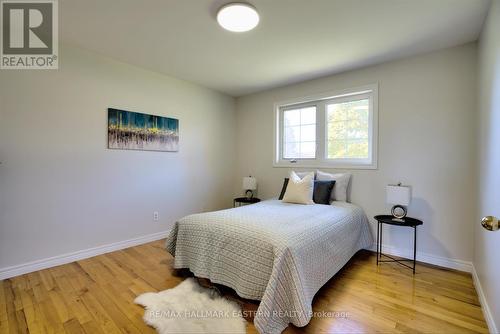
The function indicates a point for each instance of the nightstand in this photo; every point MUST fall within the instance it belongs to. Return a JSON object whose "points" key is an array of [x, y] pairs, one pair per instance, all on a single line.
{"points": [[405, 222], [244, 201]]}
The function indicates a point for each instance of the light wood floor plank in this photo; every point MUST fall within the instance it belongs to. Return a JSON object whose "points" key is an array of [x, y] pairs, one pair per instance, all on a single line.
{"points": [[91, 327], [101, 316], [72, 326], [96, 295]]}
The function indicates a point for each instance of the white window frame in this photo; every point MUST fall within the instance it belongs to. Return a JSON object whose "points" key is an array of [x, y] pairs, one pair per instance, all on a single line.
{"points": [[320, 101], [281, 125]]}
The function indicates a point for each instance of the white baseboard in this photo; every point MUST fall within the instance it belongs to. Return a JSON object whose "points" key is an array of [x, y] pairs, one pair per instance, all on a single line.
{"points": [[427, 258], [29, 267], [492, 327]]}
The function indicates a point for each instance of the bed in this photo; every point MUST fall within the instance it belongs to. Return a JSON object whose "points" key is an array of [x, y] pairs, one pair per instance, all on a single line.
{"points": [[275, 252]]}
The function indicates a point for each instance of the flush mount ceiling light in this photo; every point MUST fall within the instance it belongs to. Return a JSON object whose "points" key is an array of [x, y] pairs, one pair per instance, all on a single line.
{"points": [[238, 17]]}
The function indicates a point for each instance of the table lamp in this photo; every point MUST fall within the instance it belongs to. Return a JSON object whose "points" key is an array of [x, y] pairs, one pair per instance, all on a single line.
{"points": [[400, 196], [249, 185]]}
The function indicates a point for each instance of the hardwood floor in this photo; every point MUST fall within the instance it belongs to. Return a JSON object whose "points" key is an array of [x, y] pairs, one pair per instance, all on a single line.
{"points": [[96, 296]]}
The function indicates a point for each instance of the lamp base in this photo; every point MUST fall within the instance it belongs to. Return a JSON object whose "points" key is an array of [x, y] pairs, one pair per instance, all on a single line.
{"points": [[249, 194], [398, 212]]}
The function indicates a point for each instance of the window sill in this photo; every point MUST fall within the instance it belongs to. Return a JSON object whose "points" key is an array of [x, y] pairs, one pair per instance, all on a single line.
{"points": [[326, 165]]}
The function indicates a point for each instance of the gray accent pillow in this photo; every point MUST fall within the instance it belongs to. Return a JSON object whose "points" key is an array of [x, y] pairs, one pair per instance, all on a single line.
{"points": [[323, 191]]}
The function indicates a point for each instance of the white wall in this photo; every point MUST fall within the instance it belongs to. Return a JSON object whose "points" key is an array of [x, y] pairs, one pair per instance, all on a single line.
{"points": [[427, 139], [62, 190], [487, 244]]}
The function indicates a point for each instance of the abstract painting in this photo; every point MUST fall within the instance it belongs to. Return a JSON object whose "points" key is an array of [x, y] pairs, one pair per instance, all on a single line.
{"points": [[129, 130]]}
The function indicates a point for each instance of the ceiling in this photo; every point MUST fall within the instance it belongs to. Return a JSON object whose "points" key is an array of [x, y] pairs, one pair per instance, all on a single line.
{"points": [[296, 40]]}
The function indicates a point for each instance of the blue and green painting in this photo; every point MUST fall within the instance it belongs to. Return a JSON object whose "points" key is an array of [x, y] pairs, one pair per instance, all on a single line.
{"points": [[129, 130]]}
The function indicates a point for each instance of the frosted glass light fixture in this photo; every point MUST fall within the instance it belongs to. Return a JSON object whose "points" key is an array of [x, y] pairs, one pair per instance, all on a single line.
{"points": [[238, 17]]}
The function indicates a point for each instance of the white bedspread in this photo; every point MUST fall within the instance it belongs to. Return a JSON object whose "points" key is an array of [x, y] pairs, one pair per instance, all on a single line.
{"points": [[275, 252]]}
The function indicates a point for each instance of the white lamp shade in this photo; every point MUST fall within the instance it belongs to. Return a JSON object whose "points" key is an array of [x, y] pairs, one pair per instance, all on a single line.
{"points": [[249, 183], [398, 195]]}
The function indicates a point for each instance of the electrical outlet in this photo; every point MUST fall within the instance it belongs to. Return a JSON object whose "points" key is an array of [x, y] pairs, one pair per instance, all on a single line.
{"points": [[156, 216]]}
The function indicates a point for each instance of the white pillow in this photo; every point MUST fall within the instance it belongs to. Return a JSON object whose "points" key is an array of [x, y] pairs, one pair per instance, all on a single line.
{"points": [[339, 192], [303, 174], [299, 191]]}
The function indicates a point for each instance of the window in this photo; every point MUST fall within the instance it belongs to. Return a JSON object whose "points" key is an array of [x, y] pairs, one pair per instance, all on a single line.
{"points": [[348, 129], [299, 129], [333, 130]]}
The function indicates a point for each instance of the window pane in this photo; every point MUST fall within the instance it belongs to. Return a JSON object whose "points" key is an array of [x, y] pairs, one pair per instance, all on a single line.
{"points": [[307, 149], [291, 117], [337, 130], [337, 149], [292, 134], [348, 130], [291, 150], [357, 149], [357, 130], [308, 115], [308, 133], [299, 133], [358, 112], [336, 113]]}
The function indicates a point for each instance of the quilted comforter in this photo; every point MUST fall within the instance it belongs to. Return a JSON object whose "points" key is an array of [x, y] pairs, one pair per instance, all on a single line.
{"points": [[275, 252]]}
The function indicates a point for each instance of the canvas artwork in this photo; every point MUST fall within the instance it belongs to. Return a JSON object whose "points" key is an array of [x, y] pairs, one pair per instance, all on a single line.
{"points": [[129, 130]]}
